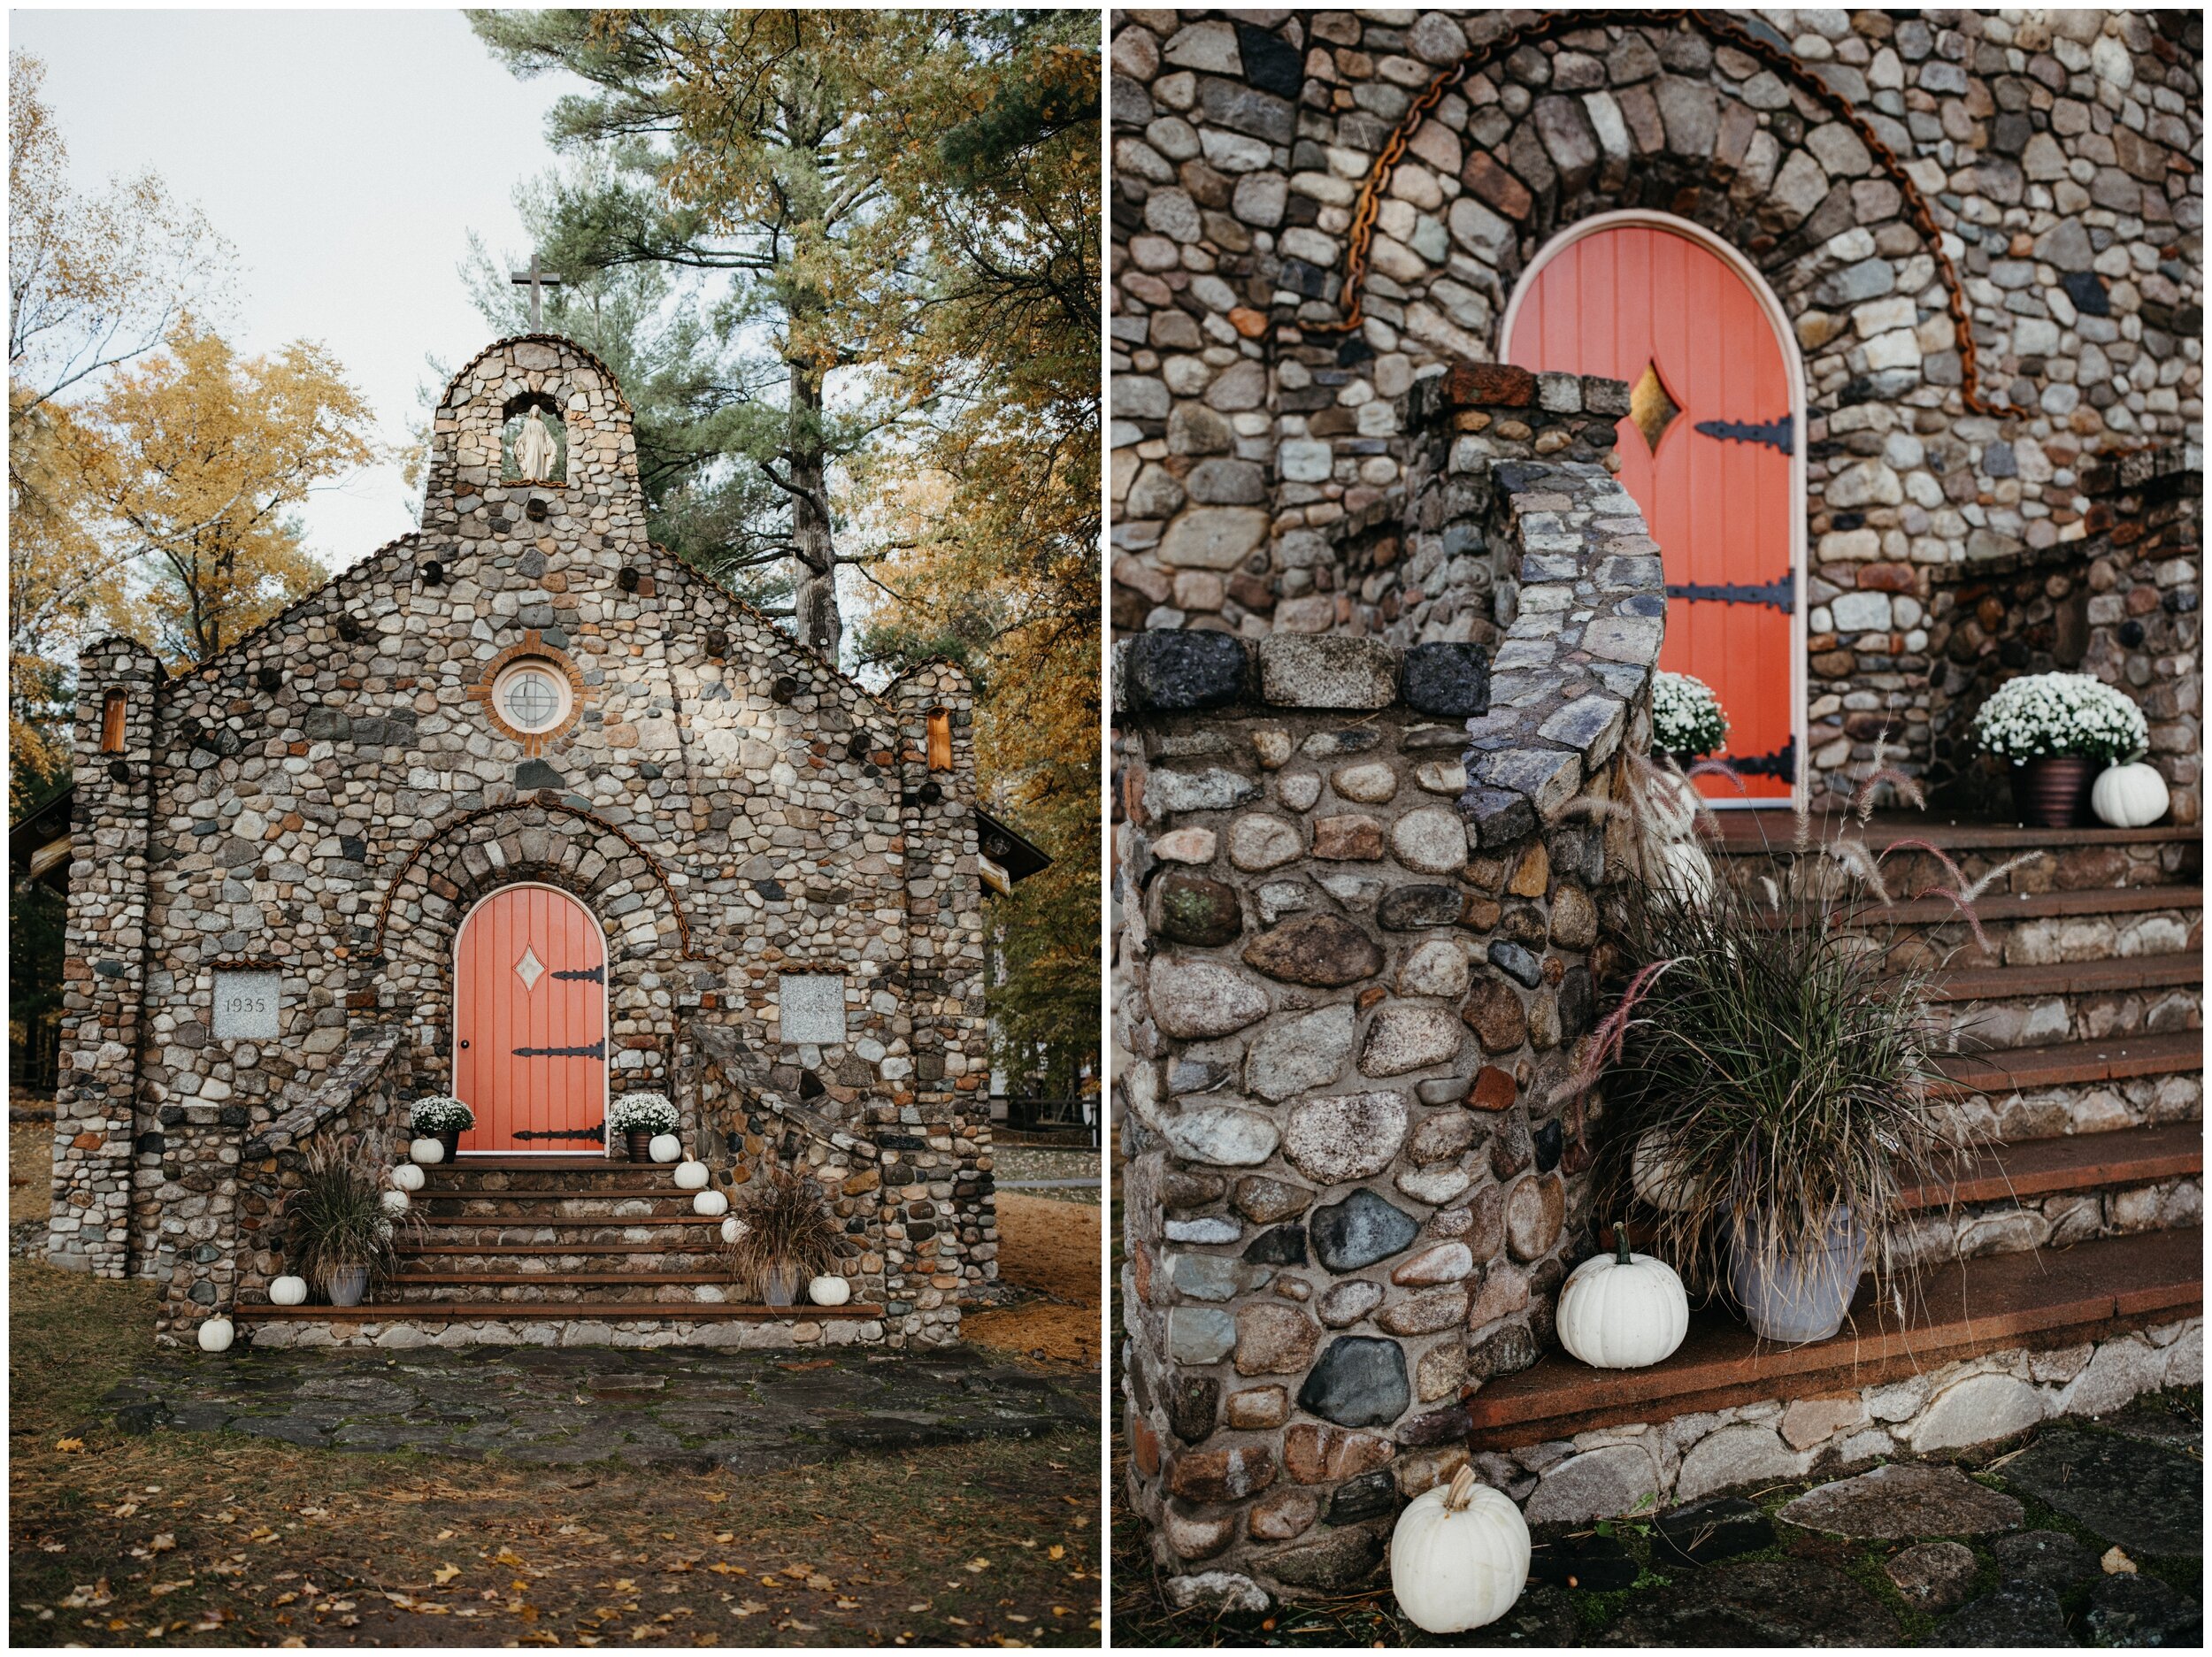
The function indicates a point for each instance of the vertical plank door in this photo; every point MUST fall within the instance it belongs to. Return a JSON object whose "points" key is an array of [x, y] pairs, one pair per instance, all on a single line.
{"points": [[1706, 451], [530, 1023]]}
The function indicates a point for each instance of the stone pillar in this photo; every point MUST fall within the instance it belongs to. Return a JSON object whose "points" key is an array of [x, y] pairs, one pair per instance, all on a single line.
{"points": [[940, 1224], [97, 1101]]}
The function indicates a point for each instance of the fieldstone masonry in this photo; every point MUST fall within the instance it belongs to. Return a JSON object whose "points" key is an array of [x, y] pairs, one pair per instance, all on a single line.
{"points": [[1361, 888], [1987, 226], [327, 798]]}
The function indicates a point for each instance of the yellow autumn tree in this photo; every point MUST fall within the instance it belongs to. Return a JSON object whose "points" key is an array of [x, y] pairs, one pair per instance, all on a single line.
{"points": [[200, 460]]}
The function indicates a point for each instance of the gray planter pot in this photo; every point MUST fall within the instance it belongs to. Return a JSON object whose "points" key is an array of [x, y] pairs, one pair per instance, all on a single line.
{"points": [[1792, 1299], [348, 1285], [779, 1285]]}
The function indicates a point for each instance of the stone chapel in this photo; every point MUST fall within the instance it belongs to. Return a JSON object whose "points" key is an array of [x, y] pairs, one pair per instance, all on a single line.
{"points": [[522, 808]]}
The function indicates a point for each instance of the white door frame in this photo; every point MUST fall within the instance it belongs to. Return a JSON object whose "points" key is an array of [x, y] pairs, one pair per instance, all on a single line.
{"points": [[606, 974], [1793, 365]]}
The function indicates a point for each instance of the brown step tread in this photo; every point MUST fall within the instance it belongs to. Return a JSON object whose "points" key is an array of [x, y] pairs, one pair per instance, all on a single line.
{"points": [[674, 1245], [2057, 1296], [571, 1219], [2007, 907], [463, 1279], [517, 1161], [2010, 1070], [2079, 1161], [555, 1193], [1754, 832], [2066, 977], [546, 1311]]}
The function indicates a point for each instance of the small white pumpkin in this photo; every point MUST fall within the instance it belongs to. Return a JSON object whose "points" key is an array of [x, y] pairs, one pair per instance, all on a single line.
{"points": [[287, 1291], [734, 1228], [691, 1176], [2130, 796], [1657, 1173], [406, 1177], [1621, 1310], [709, 1204], [215, 1335], [666, 1147], [397, 1202], [827, 1290], [1681, 868], [427, 1151], [1459, 1556], [1670, 806]]}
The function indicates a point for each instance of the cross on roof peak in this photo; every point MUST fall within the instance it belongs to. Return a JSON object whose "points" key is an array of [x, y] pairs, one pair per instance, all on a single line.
{"points": [[535, 278]]}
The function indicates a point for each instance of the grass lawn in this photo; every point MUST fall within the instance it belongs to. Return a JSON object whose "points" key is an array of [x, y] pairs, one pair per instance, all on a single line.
{"points": [[196, 1539]]}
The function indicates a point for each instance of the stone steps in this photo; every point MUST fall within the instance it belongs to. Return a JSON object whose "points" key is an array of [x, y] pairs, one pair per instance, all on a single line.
{"points": [[598, 1322], [2021, 1069], [2041, 928], [2026, 1006], [552, 1208], [555, 1288], [2052, 1299], [2085, 858]]}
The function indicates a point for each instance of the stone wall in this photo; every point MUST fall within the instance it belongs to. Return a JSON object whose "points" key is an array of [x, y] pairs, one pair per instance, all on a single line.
{"points": [[1359, 888], [2123, 604], [1985, 227], [1649, 1466], [328, 798]]}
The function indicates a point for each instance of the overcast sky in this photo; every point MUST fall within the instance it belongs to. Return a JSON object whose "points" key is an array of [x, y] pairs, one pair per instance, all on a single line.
{"points": [[346, 155]]}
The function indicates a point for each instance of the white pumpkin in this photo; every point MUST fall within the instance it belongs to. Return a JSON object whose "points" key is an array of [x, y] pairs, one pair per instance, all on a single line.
{"points": [[427, 1151], [734, 1228], [215, 1335], [1658, 1175], [829, 1290], [1459, 1556], [691, 1176], [666, 1147], [406, 1177], [1670, 806], [709, 1204], [287, 1291], [2130, 796], [395, 1202], [1681, 868], [1621, 1310]]}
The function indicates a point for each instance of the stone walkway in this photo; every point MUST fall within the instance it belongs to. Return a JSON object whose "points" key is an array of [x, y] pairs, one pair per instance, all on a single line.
{"points": [[751, 1411]]}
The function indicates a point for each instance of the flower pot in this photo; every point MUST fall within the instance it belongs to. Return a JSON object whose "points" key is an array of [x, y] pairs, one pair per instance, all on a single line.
{"points": [[640, 1143], [451, 1140], [1795, 1298], [779, 1283], [2053, 791], [348, 1285]]}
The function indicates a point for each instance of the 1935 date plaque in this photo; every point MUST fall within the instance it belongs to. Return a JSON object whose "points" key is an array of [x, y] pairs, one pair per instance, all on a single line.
{"points": [[247, 1005]]}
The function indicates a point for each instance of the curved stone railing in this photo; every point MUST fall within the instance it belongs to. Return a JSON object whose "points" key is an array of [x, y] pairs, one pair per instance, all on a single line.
{"points": [[1361, 899]]}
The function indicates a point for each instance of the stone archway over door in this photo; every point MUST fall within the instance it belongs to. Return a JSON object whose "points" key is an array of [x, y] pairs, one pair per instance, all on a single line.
{"points": [[1712, 451], [530, 1023]]}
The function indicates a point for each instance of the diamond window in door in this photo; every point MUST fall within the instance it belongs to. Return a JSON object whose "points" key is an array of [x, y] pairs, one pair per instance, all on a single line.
{"points": [[1706, 449], [530, 1023]]}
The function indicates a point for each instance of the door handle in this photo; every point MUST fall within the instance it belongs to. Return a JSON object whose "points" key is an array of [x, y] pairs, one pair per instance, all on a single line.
{"points": [[465, 1044]]}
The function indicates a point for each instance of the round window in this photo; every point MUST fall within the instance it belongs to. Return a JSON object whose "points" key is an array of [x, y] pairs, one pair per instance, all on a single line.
{"points": [[532, 696]]}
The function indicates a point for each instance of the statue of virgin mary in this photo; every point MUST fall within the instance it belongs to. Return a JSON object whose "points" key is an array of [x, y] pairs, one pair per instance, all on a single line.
{"points": [[537, 452]]}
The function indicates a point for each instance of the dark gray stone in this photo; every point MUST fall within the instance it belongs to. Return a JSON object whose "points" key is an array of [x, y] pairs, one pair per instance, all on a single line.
{"points": [[1195, 909], [535, 773], [1362, 1229], [1905, 1499], [1284, 1246], [1179, 671], [1510, 1351], [1343, 1560], [1598, 1564], [1515, 963], [1451, 681], [2147, 1499], [1369, 1496], [2019, 1616], [1417, 908], [1707, 1531], [2049, 1557], [2126, 1610], [1933, 1576], [1770, 1602], [1360, 1382]]}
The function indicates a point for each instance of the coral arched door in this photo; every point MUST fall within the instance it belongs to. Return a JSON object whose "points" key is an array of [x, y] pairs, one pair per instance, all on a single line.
{"points": [[530, 1023], [1707, 451]]}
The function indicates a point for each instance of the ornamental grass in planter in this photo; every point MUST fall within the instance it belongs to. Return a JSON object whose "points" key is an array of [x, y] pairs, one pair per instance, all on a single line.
{"points": [[786, 1234], [1767, 1073], [338, 1234]]}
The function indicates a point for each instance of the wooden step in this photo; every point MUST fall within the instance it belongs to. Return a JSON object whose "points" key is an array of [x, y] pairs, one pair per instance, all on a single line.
{"points": [[2017, 1070], [565, 1163], [549, 1311], [557, 1219], [673, 1246], [588, 1193], [2005, 908], [2069, 978], [463, 1279], [1754, 833], [2053, 1298], [2080, 1162]]}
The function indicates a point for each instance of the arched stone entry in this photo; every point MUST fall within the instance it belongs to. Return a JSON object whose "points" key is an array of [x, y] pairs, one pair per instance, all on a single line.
{"points": [[1712, 449]]}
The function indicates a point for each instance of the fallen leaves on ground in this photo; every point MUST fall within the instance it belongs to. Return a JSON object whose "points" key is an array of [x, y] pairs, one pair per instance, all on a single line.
{"points": [[1050, 1249]]}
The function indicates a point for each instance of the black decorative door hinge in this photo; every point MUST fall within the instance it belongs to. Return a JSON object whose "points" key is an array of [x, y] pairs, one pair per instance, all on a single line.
{"points": [[598, 1136], [1781, 764], [583, 975], [597, 1050], [1776, 434], [1781, 594]]}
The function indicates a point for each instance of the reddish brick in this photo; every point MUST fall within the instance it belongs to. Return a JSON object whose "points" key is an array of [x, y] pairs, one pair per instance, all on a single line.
{"points": [[1889, 578], [1489, 384]]}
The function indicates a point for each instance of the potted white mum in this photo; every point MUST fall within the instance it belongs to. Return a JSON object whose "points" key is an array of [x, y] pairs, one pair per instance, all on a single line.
{"points": [[2058, 730], [638, 1117]]}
